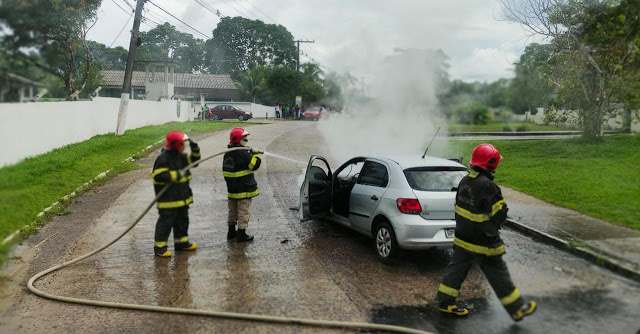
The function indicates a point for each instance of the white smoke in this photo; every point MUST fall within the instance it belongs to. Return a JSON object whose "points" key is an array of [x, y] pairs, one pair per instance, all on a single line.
{"points": [[400, 114]]}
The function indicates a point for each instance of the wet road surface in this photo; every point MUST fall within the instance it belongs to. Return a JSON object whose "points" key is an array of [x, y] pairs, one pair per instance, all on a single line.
{"points": [[311, 269]]}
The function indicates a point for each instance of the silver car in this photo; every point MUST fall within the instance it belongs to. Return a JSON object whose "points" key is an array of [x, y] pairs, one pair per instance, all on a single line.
{"points": [[403, 202]]}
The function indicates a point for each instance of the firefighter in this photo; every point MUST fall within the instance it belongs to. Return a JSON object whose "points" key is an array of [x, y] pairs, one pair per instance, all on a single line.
{"points": [[237, 168], [173, 205], [480, 213]]}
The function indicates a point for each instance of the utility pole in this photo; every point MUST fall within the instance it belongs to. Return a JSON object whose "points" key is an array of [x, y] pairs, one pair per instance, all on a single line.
{"points": [[128, 72], [298, 93]]}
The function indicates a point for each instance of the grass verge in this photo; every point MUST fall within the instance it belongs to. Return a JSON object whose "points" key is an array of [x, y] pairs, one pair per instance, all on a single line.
{"points": [[599, 179], [500, 127], [31, 185]]}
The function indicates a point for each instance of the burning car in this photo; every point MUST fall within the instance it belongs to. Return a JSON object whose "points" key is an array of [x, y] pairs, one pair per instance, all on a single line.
{"points": [[313, 113], [403, 203]]}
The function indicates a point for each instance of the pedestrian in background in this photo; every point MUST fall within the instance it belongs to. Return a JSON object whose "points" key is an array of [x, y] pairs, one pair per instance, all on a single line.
{"points": [[277, 111], [480, 213], [286, 111]]}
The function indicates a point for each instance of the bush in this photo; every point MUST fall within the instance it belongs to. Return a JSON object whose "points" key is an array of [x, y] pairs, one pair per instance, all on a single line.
{"points": [[522, 128], [472, 113], [507, 129]]}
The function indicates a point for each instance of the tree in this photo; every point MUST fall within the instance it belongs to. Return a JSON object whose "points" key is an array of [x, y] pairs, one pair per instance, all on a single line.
{"points": [[239, 44], [588, 52], [166, 43], [472, 112], [281, 82], [531, 88], [253, 84], [106, 58], [311, 83], [57, 29]]}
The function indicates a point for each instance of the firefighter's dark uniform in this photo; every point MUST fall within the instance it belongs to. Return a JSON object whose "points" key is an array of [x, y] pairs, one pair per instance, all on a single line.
{"points": [[173, 205], [480, 213], [237, 168]]}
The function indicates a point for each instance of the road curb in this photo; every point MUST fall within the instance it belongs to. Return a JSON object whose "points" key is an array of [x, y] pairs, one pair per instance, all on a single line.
{"points": [[80, 189], [522, 133], [588, 254]]}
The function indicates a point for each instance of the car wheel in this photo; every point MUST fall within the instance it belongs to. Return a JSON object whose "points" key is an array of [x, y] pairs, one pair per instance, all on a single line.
{"points": [[241, 118], [385, 243], [216, 117]]}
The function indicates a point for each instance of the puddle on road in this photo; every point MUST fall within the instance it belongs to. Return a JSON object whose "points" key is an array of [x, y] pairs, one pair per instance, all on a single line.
{"points": [[575, 311]]}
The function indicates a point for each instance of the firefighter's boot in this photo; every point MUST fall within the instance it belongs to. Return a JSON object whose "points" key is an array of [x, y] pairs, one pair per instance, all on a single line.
{"points": [[525, 310], [162, 251], [453, 309], [232, 232], [186, 246], [243, 236]]}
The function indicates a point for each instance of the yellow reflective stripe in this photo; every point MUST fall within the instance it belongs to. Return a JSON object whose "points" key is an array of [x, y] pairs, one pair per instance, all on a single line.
{"points": [[174, 175], [497, 207], [159, 170], [160, 244], [159, 183], [243, 195], [473, 174], [447, 290], [175, 204], [511, 298], [181, 240], [195, 154], [237, 174], [476, 217], [479, 249], [254, 161], [189, 159], [184, 179]]}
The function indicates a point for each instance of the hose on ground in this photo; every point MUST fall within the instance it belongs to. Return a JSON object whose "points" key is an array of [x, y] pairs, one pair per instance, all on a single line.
{"points": [[217, 314]]}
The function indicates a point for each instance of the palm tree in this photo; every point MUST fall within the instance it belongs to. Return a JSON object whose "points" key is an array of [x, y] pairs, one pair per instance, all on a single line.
{"points": [[252, 84]]}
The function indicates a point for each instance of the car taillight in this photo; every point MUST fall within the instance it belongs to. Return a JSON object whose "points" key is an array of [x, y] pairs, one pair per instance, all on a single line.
{"points": [[410, 206]]}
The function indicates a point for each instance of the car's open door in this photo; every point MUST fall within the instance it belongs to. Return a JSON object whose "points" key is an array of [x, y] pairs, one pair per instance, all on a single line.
{"points": [[315, 192]]}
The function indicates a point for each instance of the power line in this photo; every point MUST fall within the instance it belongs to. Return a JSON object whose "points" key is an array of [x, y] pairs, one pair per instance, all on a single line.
{"points": [[210, 8], [121, 30], [186, 24], [124, 10]]}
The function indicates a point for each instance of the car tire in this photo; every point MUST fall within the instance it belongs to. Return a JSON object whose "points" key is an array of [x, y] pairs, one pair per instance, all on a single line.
{"points": [[241, 118], [385, 243], [215, 117]]}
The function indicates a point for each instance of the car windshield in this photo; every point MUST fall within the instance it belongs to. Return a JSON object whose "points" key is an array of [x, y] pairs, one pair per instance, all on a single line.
{"points": [[314, 109], [435, 178]]}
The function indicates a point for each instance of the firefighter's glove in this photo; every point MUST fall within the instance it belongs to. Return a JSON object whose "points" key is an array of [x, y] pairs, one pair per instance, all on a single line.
{"points": [[255, 151], [176, 175], [194, 146]]}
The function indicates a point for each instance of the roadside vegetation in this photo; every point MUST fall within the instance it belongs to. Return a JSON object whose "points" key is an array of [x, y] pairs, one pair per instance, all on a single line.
{"points": [[501, 126], [33, 184], [599, 179]]}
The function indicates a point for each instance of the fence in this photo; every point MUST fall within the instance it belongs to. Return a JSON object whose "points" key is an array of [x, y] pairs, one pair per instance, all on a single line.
{"points": [[29, 129]]}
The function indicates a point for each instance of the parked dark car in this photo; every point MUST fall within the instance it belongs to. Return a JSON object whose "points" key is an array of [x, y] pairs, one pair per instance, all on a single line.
{"points": [[225, 111]]}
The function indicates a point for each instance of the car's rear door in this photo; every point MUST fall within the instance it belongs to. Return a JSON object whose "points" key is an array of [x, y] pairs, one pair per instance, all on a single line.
{"points": [[367, 194], [435, 188], [315, 192]]}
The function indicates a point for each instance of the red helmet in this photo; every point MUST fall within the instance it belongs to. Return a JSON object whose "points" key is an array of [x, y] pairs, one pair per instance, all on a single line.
{"points": [[236, 135], [486, 156], [175, 140]]}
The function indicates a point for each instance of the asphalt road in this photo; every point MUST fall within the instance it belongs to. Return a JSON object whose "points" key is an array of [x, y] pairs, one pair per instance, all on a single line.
{"points": [[312, 269]]}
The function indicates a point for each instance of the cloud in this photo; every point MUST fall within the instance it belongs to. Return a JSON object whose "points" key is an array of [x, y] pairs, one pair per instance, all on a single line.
{"points": [[480, 47]]}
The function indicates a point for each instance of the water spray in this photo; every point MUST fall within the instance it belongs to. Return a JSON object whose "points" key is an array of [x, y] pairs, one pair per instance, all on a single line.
{"points": [[178, 310]]}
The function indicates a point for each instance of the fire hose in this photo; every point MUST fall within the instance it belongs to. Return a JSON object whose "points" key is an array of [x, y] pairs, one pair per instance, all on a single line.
{"points": [[177, 310]]}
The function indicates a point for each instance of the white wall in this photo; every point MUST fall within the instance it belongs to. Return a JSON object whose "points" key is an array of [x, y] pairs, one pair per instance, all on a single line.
{"points": [[39, 127]]}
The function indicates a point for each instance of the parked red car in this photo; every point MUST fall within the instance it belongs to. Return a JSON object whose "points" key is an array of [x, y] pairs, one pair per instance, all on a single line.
{"points": [[313, 113], [225, 111]]}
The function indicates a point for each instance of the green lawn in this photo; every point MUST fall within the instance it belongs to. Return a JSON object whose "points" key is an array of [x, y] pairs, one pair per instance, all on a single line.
{"points": [[35, 183], [598, 179], [499, 127]]}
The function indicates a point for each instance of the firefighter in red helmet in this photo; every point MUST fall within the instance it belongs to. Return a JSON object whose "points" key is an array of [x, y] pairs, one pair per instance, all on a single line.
{"points": [[237, 168], [173, 205], [480, 213]]}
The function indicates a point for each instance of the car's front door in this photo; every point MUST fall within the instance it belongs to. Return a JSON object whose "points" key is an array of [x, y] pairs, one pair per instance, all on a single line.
{"points": [[367, 194], [315, 192]]}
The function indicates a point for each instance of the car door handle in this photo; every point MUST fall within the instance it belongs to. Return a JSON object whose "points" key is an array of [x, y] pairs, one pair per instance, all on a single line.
{"points": [[374, 197]]}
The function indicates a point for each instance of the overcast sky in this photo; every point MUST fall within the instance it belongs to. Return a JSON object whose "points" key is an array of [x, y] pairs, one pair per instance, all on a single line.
{"points": [[350, 34]]}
